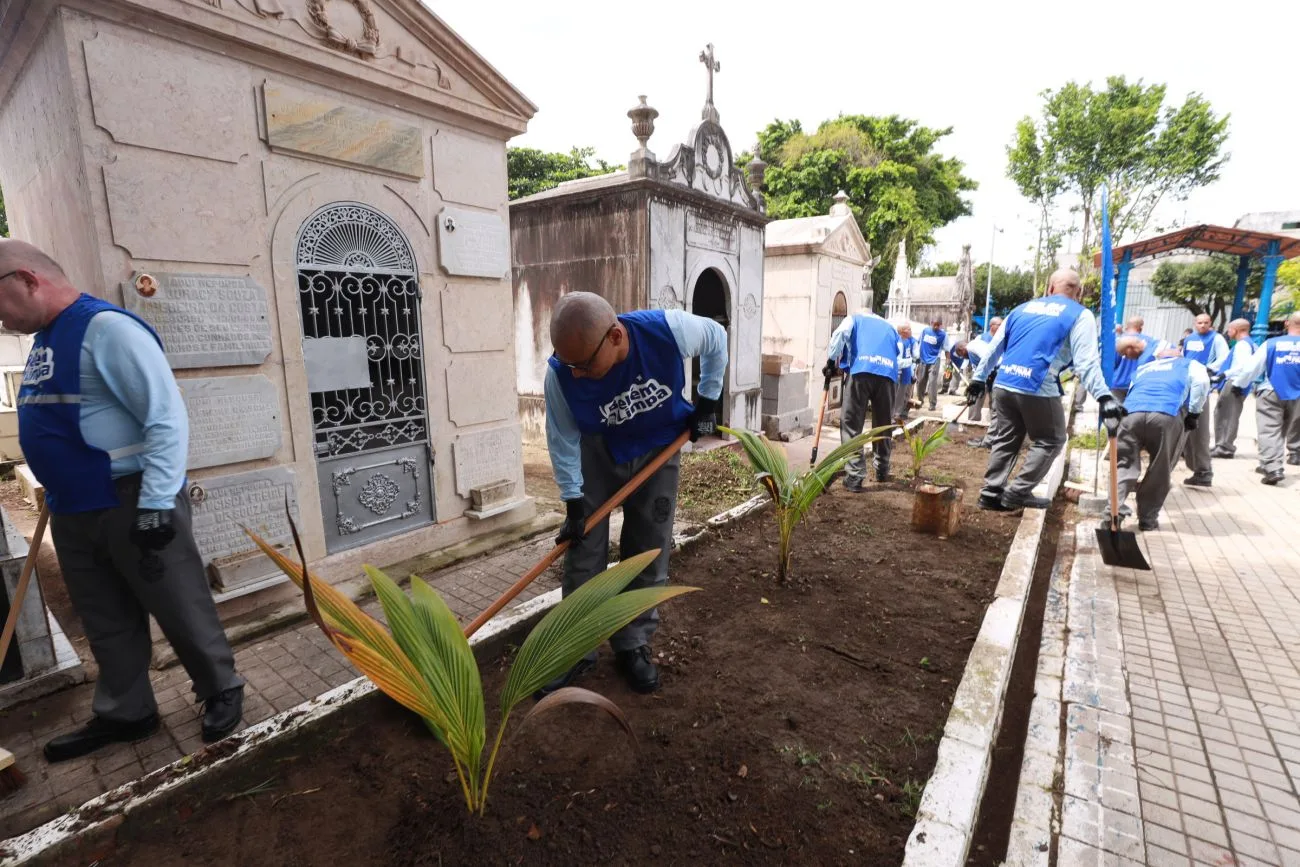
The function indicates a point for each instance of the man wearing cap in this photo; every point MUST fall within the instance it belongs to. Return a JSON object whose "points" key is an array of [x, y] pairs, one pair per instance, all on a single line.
{"points": [[614, 398], [1277, 397], [867, 348], [104, 429], [1227, 408], [1164, 404], [1037, 341], [1207, 346]]}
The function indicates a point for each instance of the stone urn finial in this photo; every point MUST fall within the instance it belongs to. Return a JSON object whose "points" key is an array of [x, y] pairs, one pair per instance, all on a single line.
{"points": [[643, 121], [757, 171], [841, 206]]}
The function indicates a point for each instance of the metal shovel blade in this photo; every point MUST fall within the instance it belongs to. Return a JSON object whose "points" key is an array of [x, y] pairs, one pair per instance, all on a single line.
{"points": [[1120, 548]]}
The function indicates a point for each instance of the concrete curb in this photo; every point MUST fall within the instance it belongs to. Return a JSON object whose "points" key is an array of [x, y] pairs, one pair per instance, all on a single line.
{"points": [[99, 817], [950, 804]]}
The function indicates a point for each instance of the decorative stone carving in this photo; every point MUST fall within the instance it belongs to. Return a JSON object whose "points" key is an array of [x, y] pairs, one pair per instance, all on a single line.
{"points": [[710, 113], [367, 46], [643, 121]]}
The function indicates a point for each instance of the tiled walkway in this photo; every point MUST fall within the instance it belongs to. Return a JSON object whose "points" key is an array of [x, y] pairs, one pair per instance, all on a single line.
{"points": [[1180, 694], [282, 671]]}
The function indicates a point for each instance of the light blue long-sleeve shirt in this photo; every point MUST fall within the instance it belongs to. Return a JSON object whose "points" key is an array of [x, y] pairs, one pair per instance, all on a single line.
{"points": [[1218, 353], [696, 336], [1199, 380], [1079, 350], [131, 407], [1253, 370], [1240, 356]]}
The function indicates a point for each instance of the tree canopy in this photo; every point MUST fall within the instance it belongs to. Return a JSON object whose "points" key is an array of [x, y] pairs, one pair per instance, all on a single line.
{"points": [[1011, 286], [4, 222], [531, 170], [899, 187], [1205, 286], [1125, 136]]}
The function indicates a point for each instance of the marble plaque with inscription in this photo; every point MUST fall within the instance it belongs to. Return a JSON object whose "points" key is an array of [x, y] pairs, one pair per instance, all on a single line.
{"points": [[232, 419], [304, 123], [710, 233], [473, 244], [205, 320], [486, 457], [224, 505]]}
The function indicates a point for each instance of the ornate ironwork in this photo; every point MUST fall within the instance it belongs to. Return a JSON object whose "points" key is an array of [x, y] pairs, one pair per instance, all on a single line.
{"points": [[379, 494], [356, 277]]}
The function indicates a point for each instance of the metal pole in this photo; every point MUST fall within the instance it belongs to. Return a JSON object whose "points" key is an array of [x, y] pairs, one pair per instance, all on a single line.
{"points": [[988, 291]]}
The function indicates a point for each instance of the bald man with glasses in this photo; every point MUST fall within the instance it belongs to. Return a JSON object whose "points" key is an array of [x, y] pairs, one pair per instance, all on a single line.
{"points": [[615, 397]]}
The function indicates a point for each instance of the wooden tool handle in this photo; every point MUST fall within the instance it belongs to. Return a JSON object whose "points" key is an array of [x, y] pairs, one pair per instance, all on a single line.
{"points": [[592, 522], [1114, 480], [821, 416], [29, 566]]}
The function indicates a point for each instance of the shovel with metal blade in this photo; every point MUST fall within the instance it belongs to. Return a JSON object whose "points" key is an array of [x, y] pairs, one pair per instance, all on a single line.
{"points": [[1118, 547]]}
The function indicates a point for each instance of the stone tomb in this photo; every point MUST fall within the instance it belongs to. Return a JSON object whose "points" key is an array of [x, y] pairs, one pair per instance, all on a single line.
{"points": [[307, 200], [683, 233]]}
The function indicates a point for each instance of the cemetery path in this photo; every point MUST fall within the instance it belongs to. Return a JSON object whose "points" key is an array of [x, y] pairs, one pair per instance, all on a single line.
{"points": [[1166, 720]]}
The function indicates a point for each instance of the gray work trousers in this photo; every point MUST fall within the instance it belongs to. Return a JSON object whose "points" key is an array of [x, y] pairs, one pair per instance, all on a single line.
{"points": [[1196, 448], [976, 410], [1227, 417], [902, 394], [102, 571], [861, 390], [1279, 425], [929, 378], [647, 524], [1042, 419], [1160, 436]]}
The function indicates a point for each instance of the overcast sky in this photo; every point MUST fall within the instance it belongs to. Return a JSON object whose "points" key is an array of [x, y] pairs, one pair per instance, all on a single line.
{"points": [[977, 67]]}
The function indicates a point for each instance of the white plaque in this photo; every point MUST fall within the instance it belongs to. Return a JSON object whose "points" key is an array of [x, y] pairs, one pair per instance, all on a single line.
{"points": [[336, 363], [486, 457], [473, 244], [232, 419], [204, 320], [710, 233]]}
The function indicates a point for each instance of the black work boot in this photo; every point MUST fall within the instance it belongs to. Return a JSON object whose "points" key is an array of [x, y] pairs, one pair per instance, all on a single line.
{"points": [[1272, 478], [852, 484], [222, 713], [584, 665], [99, 733], [1148, 525], [1294, 460], [1025, 501], [1199, 481], [993, 503], [636, 667]]}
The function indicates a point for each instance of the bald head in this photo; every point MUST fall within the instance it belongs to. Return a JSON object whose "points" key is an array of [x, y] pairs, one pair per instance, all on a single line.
{"points": [[1065, 281], [33, 288], [1129, 346], [581, 316], [994, 324], [1135, 324], [1238, 328]]}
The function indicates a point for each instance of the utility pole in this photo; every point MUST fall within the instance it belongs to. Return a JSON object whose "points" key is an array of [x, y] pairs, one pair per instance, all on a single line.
{"points": [[988, 291]]}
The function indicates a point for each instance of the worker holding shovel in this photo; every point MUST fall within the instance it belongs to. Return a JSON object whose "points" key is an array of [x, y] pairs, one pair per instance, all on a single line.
{"points": [[867, 348], [1164, 403], [614, 399]]}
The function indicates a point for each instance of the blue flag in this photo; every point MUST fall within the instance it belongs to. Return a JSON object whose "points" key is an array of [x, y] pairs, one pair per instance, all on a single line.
{"points": [[1107, 321]]}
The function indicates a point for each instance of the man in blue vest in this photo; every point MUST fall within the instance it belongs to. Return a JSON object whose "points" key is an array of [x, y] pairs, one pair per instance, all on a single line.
{"points": [[977, 349], [867, 348], [614, 399], [907, 357], [1227, 408], [1164, 403], [103, 428], [1277, 397], [1038, 340], [933, 340], [1206, 346], [1126, 365]]}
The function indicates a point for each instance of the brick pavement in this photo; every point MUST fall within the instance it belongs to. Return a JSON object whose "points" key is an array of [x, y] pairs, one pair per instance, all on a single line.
{"points": [[1177, 722], [282, 670]]}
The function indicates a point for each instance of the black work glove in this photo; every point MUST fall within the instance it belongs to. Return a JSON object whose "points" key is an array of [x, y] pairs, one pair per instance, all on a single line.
{"points": [[575, 522], [973, 390], [1238, 391], [1218, 378], [704, 421], [152, 530], [830, 369], [1109, 407], [1190, 420]]}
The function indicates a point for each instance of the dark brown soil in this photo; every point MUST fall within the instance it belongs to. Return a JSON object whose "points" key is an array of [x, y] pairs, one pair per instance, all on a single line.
{"points": [[796, 725], [713, 482]]}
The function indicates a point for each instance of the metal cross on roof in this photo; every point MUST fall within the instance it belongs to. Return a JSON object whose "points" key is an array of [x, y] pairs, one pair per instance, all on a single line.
{"points": [[706, 57]]}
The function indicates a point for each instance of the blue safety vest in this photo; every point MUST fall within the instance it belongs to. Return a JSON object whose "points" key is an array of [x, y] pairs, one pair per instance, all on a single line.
{"points": [[77, 476], [1035, 333], [1162, 386], [638, 405], [1282, 366], [1125, 367], [1198, 346], [872, 347], [932, 344], [907, 349]]}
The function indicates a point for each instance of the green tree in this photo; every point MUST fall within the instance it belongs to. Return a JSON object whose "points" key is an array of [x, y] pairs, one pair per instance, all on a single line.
{"points": [[1032, 166], [531, 170], [1124, 136], [1286, 293], [4, 222], [1205, 286], [899, 187], [1011, 286], [938, 269]]}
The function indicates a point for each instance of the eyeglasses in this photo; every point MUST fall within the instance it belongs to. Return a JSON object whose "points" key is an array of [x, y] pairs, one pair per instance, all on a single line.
{"points": [[10, 274], [587, 364]]}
